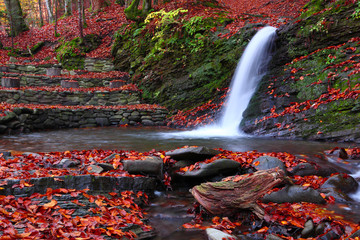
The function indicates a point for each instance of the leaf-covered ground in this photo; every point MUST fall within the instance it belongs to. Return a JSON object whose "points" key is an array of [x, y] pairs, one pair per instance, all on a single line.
{"points": [[110, 19], [49, 214]]}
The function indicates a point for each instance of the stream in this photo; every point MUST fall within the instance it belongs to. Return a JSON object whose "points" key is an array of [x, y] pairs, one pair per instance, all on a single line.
{"points": [[168, 211]]}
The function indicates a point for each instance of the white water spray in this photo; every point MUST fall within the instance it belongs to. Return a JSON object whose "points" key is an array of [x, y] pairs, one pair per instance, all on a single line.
{"points": [[249, 71]]}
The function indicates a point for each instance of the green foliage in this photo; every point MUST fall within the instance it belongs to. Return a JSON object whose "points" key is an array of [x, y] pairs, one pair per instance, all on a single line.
{"points": [[71, 54], [356, 13], [167, 47]]}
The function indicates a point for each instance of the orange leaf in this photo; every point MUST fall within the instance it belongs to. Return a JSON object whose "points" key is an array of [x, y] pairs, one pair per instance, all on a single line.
{"points": [[50, 204]]}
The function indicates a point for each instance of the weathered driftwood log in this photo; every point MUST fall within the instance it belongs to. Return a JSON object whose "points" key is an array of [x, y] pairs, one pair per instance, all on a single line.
{"points": [[10, 82], [237, 192], [69, 84]]}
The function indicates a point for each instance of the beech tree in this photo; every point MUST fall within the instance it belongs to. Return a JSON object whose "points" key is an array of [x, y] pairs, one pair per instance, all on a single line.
{"points": [[16, 18]]}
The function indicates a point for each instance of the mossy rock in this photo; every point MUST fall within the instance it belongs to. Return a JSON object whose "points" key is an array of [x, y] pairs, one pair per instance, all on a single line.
{"points": [[71, 54]]}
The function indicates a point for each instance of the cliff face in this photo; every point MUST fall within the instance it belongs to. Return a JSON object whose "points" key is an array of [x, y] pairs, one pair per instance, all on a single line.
{"points": [[313, 84]]}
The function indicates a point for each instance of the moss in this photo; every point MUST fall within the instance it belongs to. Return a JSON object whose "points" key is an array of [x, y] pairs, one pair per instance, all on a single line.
{"points": [[71, 54], [181, 64]]}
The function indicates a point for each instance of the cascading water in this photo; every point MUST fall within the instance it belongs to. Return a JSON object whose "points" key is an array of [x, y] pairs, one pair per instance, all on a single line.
{"points": [[250, 70]]}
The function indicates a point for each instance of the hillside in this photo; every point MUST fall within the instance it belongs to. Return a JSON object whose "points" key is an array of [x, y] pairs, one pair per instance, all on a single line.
{"points": [[312, 88]]}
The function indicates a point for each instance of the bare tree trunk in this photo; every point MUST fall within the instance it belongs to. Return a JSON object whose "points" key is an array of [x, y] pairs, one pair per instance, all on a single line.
{"points": [[49, 10], [80, 20], [68, 10], [41, 14], [83, 13], [56, 9], [146, 7], [16, 18]]}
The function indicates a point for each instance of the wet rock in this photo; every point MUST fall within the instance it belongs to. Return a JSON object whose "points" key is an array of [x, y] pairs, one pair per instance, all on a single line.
{"points": [[354, 235], [330, 236], [306, 169], [337, 194], [3, 128], [8, 117], [273, 237], [220, 166], [192, 153], [67, 163], [109, 158], [267, 162], [294, 194], [342, 182], [320, 228], [105, 166], [338, 186], [5, 155], [94, 169], [35, 155], [97, 184], [309, 229], [214, 234], [150, 165]]}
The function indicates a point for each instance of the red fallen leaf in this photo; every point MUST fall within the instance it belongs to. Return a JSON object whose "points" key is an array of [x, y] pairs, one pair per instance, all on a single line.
{"points": [[50, 204], [188, 225]]}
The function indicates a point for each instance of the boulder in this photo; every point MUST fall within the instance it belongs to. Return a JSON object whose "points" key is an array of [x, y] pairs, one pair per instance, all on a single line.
{"points": [[214, 234], [267, 162], [294, 194], [342, 182], [67, 163], [150, 165], [308, 230], [192, 153], [105, 166], [219, 166], [307, 169], [94, 169], [338, 186]]}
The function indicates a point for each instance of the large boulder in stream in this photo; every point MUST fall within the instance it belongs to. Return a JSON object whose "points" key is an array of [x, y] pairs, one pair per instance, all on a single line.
{"points": [[267, 162], [294, 194], [338, 186], [151, 165], [307, 169], [219, 166], [196, 154]]}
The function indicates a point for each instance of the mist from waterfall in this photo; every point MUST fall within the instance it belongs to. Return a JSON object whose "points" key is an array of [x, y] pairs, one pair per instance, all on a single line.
{"points": [[250, 70]]}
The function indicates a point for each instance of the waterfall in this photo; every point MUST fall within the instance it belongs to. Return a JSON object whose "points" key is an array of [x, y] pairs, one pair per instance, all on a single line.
{"points": [[251, 68]]}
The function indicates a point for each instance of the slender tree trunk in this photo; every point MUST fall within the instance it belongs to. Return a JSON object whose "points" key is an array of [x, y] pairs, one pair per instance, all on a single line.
{"points": [[68, 9], [16, 18], [56, 9], [49, 10], [83, 13], [146, 7], [41, 14], [80, 20]]}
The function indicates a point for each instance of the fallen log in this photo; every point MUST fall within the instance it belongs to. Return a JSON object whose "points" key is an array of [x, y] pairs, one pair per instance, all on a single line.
{"points": [[237, 192]]}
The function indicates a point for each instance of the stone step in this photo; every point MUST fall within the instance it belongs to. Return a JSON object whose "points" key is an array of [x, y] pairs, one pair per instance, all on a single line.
{"points": [[126, 95], [26, 118], [85, 79]]}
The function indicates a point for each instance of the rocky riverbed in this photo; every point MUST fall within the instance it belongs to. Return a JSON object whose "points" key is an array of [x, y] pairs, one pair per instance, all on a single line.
{"points": [[103, 193]]}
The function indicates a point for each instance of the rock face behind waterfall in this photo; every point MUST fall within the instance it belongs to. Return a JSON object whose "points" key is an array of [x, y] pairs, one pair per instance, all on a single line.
{"points": [[310, 91]]}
